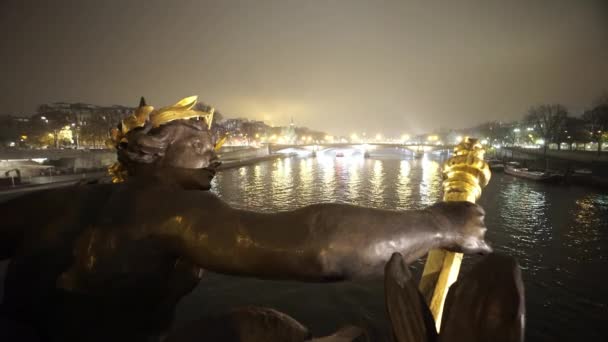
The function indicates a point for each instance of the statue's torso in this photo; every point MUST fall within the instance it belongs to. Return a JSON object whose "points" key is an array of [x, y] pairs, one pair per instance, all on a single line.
{"points": [[83, 265]]}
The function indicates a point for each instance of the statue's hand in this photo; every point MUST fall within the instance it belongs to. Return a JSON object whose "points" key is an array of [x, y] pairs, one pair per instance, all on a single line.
{"points": [[462, 227]]}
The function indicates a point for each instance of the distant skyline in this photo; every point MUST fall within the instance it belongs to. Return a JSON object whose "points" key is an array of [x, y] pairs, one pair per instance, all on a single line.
{"points": [[339, 66]]}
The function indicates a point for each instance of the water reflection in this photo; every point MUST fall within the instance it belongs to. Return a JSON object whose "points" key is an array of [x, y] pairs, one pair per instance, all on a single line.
{"points": [[354, 179], [584, 234], [404, 191], [430, 186], [282, 181], [524, 211], [376, 184]]}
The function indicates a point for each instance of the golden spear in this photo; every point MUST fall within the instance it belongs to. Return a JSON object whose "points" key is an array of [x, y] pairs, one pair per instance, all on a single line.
{"points": [[466, 173]]}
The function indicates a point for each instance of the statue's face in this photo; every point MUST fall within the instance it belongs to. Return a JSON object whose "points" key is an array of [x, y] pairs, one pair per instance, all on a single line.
{"points": [[191, 149]]}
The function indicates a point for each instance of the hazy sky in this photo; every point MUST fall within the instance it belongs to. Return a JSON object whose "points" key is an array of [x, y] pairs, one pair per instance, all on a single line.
{"points": [[341, 66]]}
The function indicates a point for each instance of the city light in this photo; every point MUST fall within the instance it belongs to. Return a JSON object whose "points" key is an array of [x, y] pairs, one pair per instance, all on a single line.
{"points": [[432, 138], [516, 130], [378, 136], [405, 137]]}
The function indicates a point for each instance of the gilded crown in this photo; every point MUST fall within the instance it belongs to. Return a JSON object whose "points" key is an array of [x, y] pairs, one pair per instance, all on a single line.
{"points": [[180, 111]]}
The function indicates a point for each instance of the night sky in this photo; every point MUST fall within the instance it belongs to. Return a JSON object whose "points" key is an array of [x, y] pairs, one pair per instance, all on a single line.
{"points": [[341, 66]]}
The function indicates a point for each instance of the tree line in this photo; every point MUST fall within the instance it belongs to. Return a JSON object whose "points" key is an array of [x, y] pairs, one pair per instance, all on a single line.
{"points": [[554, 124]]}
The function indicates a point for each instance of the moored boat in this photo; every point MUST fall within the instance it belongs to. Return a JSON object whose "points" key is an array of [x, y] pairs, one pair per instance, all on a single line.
{"points": [[496, 165], [536, 175]]}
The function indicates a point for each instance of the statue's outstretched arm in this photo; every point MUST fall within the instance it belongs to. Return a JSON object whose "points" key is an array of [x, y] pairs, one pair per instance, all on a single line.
{"points": [[321, 242]]}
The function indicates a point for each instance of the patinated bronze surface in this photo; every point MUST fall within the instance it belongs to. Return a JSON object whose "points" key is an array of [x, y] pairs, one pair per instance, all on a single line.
{"points": [[110, 261]]}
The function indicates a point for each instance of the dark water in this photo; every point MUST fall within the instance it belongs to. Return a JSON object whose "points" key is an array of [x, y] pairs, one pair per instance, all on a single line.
{"points": [[559, 234]]}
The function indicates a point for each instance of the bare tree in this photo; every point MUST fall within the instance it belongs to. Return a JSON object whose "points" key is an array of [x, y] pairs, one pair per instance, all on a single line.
{"points": [[549, 122], [597, 121]]}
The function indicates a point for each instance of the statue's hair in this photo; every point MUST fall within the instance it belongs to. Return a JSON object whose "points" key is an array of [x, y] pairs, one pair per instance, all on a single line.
{"points": [[147, 145]]}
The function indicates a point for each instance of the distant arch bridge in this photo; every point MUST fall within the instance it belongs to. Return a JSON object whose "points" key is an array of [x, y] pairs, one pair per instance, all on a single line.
{"points": [[358, 147]]}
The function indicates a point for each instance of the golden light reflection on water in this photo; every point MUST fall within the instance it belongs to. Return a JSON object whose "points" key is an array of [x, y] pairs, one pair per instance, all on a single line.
{"points": [[328, 174], [354, 175], [306, 178], [282, 184], [376, 182], [430, 185], [404, 190], [257, 173]]}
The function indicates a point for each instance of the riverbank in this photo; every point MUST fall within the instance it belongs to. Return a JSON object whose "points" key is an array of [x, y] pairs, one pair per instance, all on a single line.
{"points": [[228, 164], [577, 167], [51, 182]]}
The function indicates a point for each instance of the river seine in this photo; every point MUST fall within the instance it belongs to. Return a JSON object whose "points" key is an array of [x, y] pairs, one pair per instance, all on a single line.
{"points": [[559, 235]]}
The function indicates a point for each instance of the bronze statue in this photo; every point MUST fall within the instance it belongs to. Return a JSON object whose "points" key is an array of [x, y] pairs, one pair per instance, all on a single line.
{"points": [[110, 261]]}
